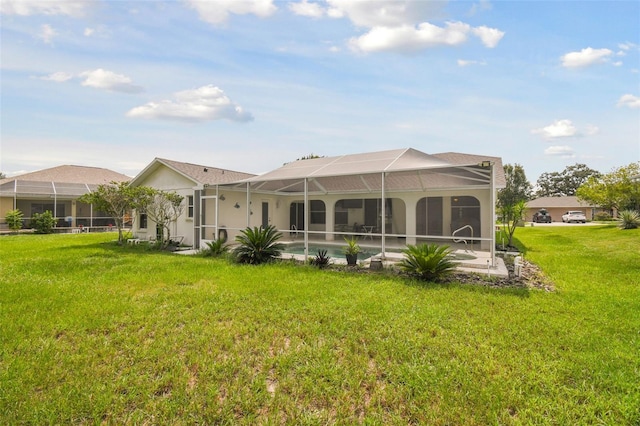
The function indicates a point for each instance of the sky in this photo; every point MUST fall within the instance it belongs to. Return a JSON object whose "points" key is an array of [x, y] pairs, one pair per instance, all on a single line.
{"points": [[251, 85]]}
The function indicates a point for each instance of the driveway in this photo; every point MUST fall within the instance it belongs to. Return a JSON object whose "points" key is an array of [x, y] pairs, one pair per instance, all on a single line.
{"points": [[561, 223]]}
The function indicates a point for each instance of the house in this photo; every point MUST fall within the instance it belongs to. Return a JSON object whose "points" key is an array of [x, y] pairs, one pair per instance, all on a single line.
{"points": [[557, 206], [57, 190], [190, 181], [388, 199]]}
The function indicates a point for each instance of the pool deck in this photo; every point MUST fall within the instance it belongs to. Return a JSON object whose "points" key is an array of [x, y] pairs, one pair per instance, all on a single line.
{"points": [[480, 265]]}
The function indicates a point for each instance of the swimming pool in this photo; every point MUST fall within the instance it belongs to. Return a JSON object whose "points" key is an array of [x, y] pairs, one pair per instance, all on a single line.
{"points": [[332, 251]]}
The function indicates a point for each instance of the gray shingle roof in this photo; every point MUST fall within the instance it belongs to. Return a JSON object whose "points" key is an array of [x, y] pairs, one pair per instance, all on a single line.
{"points": [[206, 174], [557, 202], [62, 181], [72, 174]]}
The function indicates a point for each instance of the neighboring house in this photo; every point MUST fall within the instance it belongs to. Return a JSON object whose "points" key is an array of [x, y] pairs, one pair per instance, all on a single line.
{"points": [[188, 180], [389, 199], [557, 206], [57, 190]]}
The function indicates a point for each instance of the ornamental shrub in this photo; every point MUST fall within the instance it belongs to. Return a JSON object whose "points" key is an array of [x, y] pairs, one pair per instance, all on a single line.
{"points": [[14, 220], [43, 223], [258, 245], [429, 262], [629, 219]]}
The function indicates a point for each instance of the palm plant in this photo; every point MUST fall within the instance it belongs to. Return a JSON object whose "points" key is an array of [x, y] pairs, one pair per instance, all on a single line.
{"points": [[429, 262], [258, 245], [216, 248], [321, 260], [629, 219]]}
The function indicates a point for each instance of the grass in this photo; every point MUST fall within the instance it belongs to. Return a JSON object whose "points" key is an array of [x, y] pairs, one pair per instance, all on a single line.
{"points": [[95, 333]]}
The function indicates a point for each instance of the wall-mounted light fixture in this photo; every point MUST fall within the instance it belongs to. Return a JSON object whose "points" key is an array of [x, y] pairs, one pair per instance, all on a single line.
{"points": [[237, 206], [222, 198], [486, 164]]}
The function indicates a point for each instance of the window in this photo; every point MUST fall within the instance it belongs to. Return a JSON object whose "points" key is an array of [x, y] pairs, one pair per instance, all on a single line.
{"points": [[143, 221], [190, 206], [317, 212]]}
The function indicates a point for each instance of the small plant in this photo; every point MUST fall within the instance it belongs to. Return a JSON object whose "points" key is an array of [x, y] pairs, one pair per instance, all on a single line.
{"points": [[351, 250], [14, 220], [43, 223], [321, 260], [429, 262], [258, 245], [629, 219], [215, 248]]}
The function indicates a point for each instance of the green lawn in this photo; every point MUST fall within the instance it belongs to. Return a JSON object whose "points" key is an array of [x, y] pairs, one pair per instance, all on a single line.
{"points": [[94, 333]]}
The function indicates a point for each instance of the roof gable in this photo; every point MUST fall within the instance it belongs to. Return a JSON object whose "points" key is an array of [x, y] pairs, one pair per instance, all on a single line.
{"points": [[198, 174]]}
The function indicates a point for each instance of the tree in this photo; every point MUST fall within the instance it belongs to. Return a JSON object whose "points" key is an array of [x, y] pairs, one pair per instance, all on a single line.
{"points": [[163, 208], [14, 220], [512, 198], [565, 183], [2, 176], [116, 199], [619, 189]]}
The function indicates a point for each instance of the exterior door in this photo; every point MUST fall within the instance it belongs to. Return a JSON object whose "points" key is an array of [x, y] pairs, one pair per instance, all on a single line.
{"points": [[265, 214]]}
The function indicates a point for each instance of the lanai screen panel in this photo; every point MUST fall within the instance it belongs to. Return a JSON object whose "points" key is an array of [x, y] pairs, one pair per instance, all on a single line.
{"points": [[403, 169], [71, 189], [27, 188]]}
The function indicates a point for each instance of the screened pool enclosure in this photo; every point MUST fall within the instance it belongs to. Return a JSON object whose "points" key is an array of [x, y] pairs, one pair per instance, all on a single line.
{"points": [[386, 199]]}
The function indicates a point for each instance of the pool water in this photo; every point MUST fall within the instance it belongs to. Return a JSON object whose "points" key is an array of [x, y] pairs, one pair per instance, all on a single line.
{"points": [[332, 251]]}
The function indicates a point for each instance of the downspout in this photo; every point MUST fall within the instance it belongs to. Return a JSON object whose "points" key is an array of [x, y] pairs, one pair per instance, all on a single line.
{"points": [[55, 202], [15, 194], [216, 234], [248, 204], [306, 220], [383, 219], [493, 214]]}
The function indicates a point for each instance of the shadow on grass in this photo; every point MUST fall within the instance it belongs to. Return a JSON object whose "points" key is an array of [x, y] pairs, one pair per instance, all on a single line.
{"points": [[114, 247]]}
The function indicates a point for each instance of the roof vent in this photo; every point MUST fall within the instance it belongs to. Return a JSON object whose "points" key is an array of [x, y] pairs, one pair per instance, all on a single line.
{"points": [[206, 170]]}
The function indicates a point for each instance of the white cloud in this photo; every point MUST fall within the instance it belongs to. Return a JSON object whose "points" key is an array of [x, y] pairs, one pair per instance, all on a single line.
{"points": [[108, 80], [482, 5], [408, 39], [75, 8], [585, 57], [557, 129], [394, 25], [466, 63], [627, 46], [384, 13], [88, 32], [591, 130], [560, 151], [304, 8], [207, 103], [217, 12], [629, 100], [47, 33], [58, 77], [490, 36]]}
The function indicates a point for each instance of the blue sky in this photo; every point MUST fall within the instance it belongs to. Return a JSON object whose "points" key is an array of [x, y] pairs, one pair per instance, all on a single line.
{"points": [[249, 85]]}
